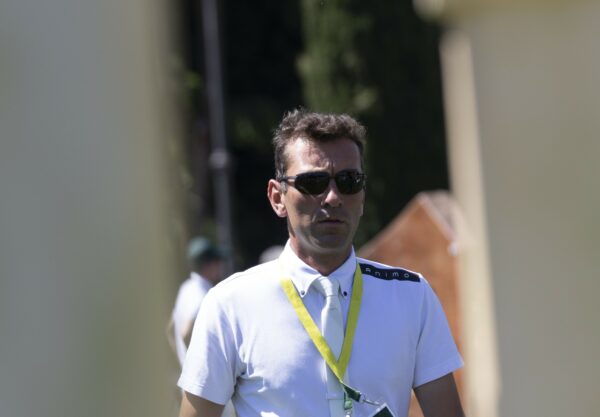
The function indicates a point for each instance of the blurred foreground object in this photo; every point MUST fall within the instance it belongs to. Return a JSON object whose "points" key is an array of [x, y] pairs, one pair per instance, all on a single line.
{"points": [[522, 94], [84, 217]]}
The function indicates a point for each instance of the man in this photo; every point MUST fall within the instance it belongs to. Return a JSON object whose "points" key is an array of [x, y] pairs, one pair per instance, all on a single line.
{"points": [[206, 264], [269, 339]]}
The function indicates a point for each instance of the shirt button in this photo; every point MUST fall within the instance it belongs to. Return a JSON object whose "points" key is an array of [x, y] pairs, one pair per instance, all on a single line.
{"points": [[302, 292]]}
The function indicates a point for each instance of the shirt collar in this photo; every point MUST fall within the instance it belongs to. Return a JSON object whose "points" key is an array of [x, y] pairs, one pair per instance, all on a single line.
{"points": [[303, 275]]}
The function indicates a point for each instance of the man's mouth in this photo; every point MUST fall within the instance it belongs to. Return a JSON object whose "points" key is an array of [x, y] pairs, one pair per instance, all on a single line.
{"points": [[330, 221]]}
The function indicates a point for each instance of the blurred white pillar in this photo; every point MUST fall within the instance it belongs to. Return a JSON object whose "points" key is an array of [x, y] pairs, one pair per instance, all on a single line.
{"points": [[535, 67], [479, 323], [84, 250]]}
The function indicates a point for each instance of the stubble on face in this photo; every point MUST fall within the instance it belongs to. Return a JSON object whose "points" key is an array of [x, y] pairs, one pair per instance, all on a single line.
{"points": [[322, 227]]}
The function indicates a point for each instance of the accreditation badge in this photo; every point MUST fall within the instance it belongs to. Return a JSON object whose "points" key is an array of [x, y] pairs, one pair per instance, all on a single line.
{"points": [[382, 411]]}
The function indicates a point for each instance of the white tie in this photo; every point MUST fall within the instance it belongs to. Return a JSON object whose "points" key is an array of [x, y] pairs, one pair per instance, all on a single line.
{"points": [[332, 326]]}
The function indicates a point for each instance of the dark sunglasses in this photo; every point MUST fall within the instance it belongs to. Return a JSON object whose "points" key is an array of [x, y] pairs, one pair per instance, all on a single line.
{"points": [[314, 183]]}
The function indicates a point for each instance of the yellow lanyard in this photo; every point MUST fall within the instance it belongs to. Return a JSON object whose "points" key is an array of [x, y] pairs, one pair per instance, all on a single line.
{"points": [[337, 366]]}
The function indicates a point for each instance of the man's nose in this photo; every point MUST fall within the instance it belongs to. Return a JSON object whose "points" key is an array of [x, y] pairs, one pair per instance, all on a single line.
{"points": [[333, 197]]}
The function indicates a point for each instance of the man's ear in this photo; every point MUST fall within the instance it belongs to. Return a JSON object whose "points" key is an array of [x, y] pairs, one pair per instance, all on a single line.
{"points": [[276, 197]]}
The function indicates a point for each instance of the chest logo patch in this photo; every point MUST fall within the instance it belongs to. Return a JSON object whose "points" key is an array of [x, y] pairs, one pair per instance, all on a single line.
{"points": [[398, 274]]}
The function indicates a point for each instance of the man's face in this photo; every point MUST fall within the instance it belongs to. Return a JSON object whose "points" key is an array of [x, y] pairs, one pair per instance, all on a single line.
{"points": [[322, 224]]}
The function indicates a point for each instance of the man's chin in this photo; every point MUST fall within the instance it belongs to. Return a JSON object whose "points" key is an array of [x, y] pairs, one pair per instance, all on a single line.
{"points": [[332, 244]]}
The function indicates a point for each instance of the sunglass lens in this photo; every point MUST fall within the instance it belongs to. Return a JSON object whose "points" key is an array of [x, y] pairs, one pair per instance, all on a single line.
{"points": [[349, 182], [312, 182]]}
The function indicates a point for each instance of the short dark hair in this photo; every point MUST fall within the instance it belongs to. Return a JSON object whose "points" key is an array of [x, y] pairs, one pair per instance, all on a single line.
{"points": [[318, 127]]}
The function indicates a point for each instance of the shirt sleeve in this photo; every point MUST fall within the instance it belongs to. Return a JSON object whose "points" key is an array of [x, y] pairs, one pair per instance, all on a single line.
{"points": [[437, 354], [211, 360]]}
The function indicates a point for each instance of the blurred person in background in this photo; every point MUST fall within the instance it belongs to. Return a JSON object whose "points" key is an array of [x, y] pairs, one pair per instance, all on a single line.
{"points": [[270, 254], [206, 262], [272, 338]]}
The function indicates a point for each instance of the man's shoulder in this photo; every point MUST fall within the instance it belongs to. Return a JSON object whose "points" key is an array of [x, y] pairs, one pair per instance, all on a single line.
{"points": [[386, 272], [242, 291], [253, 276]]}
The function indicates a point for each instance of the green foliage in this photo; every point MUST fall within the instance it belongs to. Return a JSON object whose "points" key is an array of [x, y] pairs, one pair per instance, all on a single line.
{"points": [[378, 62], [373, 59], [262, 41], [332, 68]]}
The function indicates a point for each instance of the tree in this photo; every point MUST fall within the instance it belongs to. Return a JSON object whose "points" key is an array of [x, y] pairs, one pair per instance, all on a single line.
{"points": [[378, 61]]}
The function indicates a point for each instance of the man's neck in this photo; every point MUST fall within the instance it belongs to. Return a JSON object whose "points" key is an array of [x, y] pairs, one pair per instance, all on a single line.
{"points": [[325, 264]]}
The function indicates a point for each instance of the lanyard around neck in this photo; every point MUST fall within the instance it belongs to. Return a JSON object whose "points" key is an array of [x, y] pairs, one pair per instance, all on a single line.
{"points": [[338, 367]]}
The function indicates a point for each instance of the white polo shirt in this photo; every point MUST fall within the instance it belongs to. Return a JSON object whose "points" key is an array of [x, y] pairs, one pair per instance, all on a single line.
{"points": [[249, 345], [189, 298]]}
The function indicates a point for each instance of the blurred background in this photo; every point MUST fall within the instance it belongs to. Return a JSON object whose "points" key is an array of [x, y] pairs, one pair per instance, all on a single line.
{"points": [[126, 128], [373, 61]]}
